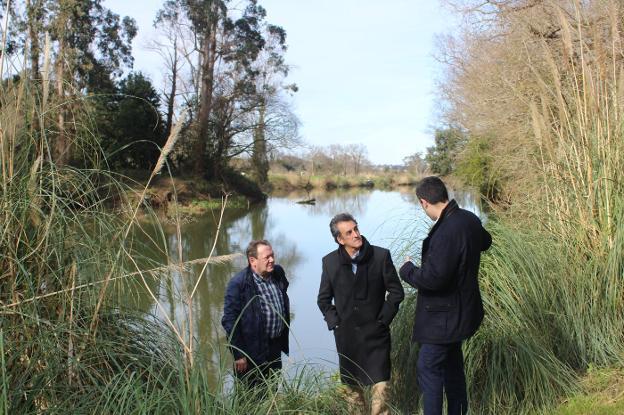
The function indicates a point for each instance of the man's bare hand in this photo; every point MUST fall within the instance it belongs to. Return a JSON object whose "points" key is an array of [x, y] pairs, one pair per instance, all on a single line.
{"points": [[241, 365]]}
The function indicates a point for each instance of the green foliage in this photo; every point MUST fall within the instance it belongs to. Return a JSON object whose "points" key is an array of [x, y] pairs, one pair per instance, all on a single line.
{"points": [[405, 392], [441, 157], [131, 124], [235, 181], [549, 315], [603, 394], [474, 168], [59, 353]]}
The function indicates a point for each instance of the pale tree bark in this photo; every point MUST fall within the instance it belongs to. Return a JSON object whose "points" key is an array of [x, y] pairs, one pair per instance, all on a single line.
{"points": [[209, 58], [34, 12], [172, 90], [259, 157], [61, 145]]}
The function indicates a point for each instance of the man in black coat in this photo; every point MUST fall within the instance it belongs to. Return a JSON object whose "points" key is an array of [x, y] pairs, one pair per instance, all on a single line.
{"points": [[448, 308], [256, 315], [359, 296]]}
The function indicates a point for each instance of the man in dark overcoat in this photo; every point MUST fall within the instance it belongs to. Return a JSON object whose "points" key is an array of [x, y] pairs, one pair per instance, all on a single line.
{"points": [[256, 315], [449, 307], [359, 295]]}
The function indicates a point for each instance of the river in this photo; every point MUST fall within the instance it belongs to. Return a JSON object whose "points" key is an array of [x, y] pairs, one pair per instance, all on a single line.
{"points": [[300, 237]]}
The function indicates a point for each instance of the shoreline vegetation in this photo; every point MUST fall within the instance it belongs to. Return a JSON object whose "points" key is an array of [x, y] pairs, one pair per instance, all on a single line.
{"points": [[544, 147], [373, 180], [193, 196]]}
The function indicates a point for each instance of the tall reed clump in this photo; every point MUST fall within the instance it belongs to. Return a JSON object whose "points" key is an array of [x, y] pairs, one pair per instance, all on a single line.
{"points": [[544, 81], [579, 131], [58, 236], [67, 345], [546, 319]]}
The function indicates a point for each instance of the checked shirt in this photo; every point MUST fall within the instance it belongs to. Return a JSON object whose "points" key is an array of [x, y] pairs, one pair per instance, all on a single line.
{"points": [[272, 305]]}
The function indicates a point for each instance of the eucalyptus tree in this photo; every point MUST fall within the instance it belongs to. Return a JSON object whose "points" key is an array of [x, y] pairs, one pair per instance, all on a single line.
{"points": [[172, 26], [208, 17], [89, 38], [226, 66], [89, 43], [35, 14], [229, 44], [275, 120]]}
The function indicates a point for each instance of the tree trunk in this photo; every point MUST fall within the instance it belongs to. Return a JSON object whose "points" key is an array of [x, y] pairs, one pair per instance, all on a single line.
{"points": [[259, 156], [34, 20], [172, 91], [61, 146], [209, 49]]}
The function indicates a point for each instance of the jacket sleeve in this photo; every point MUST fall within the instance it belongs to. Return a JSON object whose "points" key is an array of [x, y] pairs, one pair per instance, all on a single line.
{"points": [[393, 288], [324, 300], [438, 269], [232, 308], [407, 273]]}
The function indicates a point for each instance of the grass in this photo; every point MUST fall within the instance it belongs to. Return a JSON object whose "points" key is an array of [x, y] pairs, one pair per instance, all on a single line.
{"points": [[552, 287], [199, 207], [552, 282], [66, 345], [549, 316], [603, 394]]}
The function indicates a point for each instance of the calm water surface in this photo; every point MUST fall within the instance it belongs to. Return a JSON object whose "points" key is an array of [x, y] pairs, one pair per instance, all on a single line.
{"points": [[300, 237]]}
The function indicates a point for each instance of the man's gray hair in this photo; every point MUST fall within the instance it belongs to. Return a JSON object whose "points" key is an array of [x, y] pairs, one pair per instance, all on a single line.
{"points": [[252, 248], [333, 224]]}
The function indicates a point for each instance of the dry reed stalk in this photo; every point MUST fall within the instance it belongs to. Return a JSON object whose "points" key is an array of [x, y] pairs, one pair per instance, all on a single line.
{"points": [[45, 74], [70, 340], [171, 140], [214, 244], [161, 308], [189, 300], [3, 156], [32, 180], [222, 259]]}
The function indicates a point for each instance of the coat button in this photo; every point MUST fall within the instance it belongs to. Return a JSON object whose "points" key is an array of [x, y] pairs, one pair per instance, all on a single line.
{"points": [[355, 308], [357, 327]]}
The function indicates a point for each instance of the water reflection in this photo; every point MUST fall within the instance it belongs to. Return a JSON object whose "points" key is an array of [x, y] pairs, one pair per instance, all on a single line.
{"points": [[328, 203], [300, 237]]}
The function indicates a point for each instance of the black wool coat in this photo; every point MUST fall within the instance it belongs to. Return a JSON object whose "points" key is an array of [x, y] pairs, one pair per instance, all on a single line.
{"points": [[448, 307], [359, 312]]}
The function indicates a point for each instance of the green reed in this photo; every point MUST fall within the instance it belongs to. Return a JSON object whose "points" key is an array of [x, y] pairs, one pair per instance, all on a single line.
{"points": [[549, 314], [67, 345]]}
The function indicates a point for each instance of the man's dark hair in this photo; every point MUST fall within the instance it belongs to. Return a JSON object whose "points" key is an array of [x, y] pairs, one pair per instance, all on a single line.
{"points": [[252, 248], [333, 224], [432, 189]]}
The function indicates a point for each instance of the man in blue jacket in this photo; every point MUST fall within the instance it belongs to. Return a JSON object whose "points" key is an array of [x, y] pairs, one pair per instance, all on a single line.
{"points": [[256, 315], [449, 307]]}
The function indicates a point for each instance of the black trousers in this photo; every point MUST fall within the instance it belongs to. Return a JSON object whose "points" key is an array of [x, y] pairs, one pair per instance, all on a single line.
{"points": [[441, 372], [257, 375]]}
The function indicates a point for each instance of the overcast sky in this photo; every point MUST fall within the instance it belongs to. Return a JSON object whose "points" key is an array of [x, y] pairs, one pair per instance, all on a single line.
{"points": [[364, 68]]}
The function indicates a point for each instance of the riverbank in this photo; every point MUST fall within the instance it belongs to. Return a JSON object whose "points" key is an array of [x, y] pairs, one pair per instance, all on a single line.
{"points": [[191, 195], [378, 180], [196, 196]]}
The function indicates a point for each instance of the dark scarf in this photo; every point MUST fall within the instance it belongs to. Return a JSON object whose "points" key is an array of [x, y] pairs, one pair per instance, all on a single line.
{"points": [[361, 260]]}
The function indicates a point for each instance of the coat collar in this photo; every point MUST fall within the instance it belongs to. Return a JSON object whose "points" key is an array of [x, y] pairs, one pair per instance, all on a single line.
{"points": [[277, 276], [451, 208]]}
